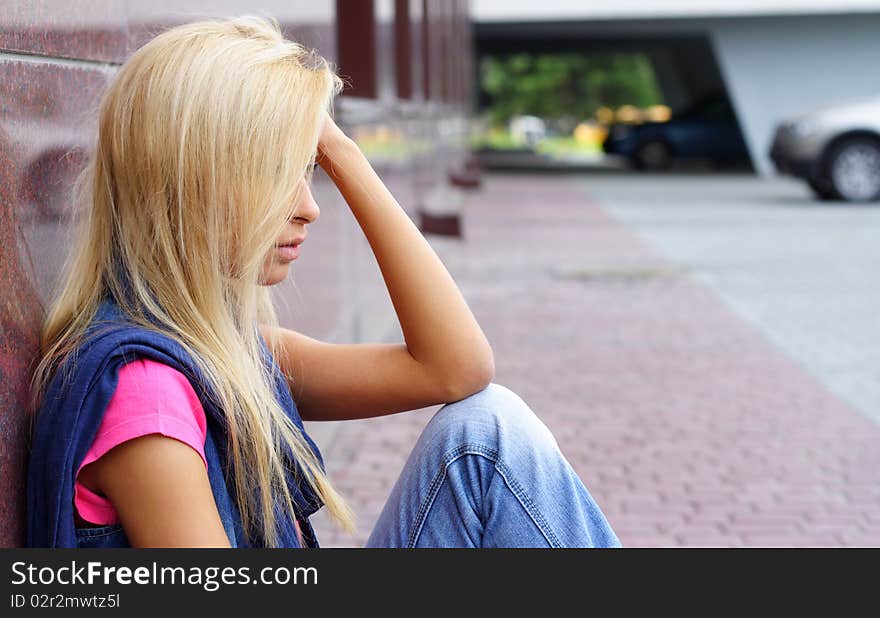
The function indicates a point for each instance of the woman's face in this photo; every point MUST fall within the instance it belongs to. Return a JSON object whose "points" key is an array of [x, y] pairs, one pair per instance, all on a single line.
{"points": [[287, 247]]}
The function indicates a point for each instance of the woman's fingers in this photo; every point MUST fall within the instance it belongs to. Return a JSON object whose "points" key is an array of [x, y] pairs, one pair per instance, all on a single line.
{"points": [[330, 135]]}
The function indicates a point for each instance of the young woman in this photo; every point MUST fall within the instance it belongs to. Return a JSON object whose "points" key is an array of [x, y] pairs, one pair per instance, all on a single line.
{"points": [[168, 401]]}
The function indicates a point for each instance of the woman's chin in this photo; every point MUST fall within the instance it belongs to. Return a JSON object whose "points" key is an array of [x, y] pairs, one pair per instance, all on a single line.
{"points": [[276, 275]]}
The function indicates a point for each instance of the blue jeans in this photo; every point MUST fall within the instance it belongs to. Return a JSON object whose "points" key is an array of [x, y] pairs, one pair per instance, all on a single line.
{"points": [[487, 472]]}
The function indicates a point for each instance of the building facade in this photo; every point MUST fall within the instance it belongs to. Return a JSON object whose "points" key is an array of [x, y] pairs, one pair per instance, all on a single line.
{"points": [[773, 58]]}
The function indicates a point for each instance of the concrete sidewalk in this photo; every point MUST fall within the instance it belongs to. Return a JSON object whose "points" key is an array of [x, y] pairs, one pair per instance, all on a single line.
{"points": [[687, 425]]}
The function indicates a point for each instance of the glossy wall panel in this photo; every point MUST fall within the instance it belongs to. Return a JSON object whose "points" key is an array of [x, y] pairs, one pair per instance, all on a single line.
{"points": [[55, 60], [49, 126], [82, 29], [310, 23], [44, 129]]}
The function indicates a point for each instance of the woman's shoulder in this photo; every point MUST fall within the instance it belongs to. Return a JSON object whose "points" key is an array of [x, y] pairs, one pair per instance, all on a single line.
{"points": [[148, 370], [147, 384]]}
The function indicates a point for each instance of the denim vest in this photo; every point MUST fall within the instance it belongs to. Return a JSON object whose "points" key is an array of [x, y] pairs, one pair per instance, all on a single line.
{"points": [[71, 412]]}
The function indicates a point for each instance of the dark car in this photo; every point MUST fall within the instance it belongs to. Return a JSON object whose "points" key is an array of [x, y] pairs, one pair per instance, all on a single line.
{"points": [[705, 130]]}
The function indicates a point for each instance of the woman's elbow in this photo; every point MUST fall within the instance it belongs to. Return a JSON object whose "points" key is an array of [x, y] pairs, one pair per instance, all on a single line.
{"points": [[471, 379]]}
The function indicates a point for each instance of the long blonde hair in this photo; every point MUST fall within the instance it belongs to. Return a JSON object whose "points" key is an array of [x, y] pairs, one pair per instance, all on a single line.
{"points": [[205, 138]]}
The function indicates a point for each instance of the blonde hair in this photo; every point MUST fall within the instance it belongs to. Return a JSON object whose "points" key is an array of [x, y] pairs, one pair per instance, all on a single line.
{"points": [[206, 136]]}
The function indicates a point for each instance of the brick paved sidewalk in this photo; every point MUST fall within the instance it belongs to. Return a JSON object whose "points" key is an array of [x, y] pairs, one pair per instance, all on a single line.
{"points": [[687, 426]]}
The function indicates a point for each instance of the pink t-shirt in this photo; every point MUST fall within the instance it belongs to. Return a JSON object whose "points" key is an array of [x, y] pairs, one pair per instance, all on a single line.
{"points": [[150, 397]]}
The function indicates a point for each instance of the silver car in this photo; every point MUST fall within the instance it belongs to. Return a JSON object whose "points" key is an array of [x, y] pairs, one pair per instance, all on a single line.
{"points": [[836, 150]]}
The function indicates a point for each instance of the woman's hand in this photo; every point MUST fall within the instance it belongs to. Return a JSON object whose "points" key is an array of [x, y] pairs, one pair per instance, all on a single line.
{"points": [[329, 141], [447, 354]]}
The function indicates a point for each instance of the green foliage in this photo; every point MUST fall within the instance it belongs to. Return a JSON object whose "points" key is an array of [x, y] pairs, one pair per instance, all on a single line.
{"points": [[567, 87], [567, 146]]}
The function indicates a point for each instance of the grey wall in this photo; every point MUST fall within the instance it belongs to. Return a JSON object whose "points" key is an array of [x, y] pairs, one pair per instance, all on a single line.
{"points": [[778, 67]]}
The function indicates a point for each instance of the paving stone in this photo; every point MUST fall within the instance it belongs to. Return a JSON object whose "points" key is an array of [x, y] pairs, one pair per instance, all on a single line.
{"points": [[689, 424]]}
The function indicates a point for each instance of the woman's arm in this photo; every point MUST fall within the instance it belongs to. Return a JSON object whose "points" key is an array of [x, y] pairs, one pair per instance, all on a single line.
{"points": [[446, 355], [161, 493], [440, 331]]}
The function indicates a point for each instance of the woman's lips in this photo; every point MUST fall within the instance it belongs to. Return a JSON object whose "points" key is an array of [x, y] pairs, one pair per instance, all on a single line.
{"points": [[288, 252]]}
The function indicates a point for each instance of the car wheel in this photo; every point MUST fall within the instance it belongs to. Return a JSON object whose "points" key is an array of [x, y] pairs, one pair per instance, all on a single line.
{"points": [[653, 155], [823, 189], [854, 169]]}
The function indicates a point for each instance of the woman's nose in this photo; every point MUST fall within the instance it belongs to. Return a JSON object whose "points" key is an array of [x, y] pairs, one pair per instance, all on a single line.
{"points": [[307, 209]]}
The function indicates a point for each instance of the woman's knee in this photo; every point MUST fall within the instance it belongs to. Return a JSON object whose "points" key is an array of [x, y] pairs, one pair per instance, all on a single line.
{"points": [[493, 414], [494, 398], [489, 401]]}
